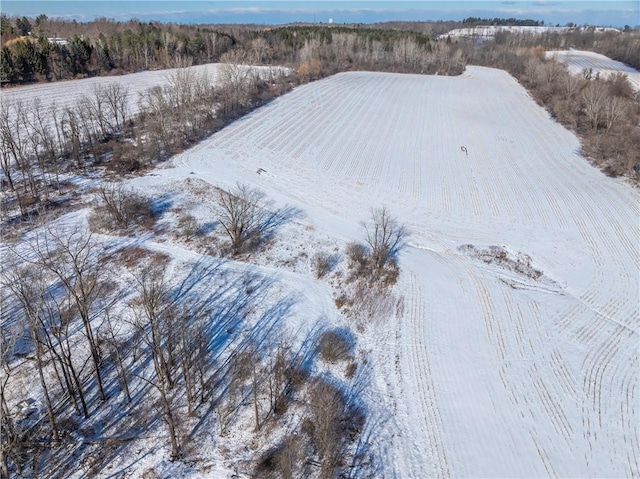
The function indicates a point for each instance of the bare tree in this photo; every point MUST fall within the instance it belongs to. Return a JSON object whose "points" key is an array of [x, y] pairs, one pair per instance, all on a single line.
{"points": [[7, 151], [243, 368], [193, 352], [41, 129], [98, 111], [594, 99], [90, 117], [55, 323], [285, 375], [614, 110], [385, 236], [571, 85], [236, 79], [15, 154], [118, 352], [22, 280], [13, 437], [122, 206], [116, 98], [155, 105], [191, 96], [241, 216], [154, 319], [6, 427], [327, 405], [75, 261], [7, 340], [47, 319], [71, 130]]}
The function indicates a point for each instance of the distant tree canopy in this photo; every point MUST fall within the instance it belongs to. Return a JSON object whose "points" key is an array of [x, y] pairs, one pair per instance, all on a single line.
{"points": [[511, 22]]}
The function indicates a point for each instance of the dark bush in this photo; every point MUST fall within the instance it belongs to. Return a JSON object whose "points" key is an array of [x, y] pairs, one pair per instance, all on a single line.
{"points": [[335, 345], [322, 264], [119, 208]]}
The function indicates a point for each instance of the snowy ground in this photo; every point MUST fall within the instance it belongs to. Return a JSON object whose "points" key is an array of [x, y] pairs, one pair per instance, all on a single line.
{"points": [[491, 370], [577, 61]]}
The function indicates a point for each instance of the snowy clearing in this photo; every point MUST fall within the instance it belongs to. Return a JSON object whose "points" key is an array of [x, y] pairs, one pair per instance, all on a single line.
{"points": [[577, 61], [526, 366]]}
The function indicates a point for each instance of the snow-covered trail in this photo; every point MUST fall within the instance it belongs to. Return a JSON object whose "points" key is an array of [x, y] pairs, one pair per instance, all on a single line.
{"points": [[489, 373]]}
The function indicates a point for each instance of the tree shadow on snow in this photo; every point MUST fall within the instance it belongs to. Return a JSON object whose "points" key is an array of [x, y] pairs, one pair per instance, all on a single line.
{"points": [[161, 204], [209, 292], [273, 220]]}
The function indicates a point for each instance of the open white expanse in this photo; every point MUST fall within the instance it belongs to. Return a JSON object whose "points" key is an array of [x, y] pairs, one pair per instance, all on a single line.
{"points": [[487, 372], [578, 60]]}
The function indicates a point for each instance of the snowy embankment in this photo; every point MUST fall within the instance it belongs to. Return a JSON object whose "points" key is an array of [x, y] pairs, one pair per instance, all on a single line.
{"points": [[526, 366], [577, 61]]}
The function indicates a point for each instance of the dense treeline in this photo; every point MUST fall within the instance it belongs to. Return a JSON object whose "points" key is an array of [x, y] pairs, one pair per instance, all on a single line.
{"points": [[624, 47], [50, 50]]}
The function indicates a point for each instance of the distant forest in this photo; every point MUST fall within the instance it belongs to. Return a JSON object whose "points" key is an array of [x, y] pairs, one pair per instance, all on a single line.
{"points": [[44, 49], [511, 22]]}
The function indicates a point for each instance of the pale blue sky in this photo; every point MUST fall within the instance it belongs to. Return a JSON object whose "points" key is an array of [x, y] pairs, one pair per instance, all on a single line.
{"points": [[615, 13]]}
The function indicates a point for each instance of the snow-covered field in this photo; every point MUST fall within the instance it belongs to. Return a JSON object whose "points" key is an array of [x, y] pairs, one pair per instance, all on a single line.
{"points": [[488, 370], [68, 93], [578, 60], [512, 350]]}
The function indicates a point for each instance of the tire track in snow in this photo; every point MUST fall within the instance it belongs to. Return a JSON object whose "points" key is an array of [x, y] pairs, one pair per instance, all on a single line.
{"points": [[536, 393], [544, 457], [493, 329], [427, 409]]}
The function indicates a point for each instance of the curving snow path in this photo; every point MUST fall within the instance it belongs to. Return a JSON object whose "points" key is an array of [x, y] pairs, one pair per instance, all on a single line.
{"points": [[486, 372]]}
